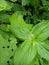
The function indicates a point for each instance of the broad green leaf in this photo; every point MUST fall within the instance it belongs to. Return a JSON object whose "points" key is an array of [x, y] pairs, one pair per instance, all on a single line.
{"points": [[25, 53], [41, 30], [43, 52], [6, 51], [18, 27], [44, 34], [29, 26]]}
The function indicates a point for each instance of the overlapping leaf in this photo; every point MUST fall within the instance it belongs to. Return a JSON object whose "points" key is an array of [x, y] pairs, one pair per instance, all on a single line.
{"points": [[34, 49], [44, 53], [3, 5], [25, 54], [19, 28], [6, 51], [41, 30], [43, 62]]}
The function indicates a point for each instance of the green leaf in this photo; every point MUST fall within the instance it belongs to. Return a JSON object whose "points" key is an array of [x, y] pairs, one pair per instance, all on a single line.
{"points": [[17, 7], [18, 27], [3, 5], [25, 53], [43, 52], [41, 30], [13, 0], [2, 27], [29, 26], [43, 62], [9, 6], [46, 44], [44, 2], [4, 17], [35, 3], [4, 34], [44, 34], [25, 2], [35, 61], [6, 51]]}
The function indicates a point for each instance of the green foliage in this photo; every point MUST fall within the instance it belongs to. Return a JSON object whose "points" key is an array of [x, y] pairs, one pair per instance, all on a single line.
{"points": [[4, 5], [25, 54], [24, 32], [13, 0]]}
